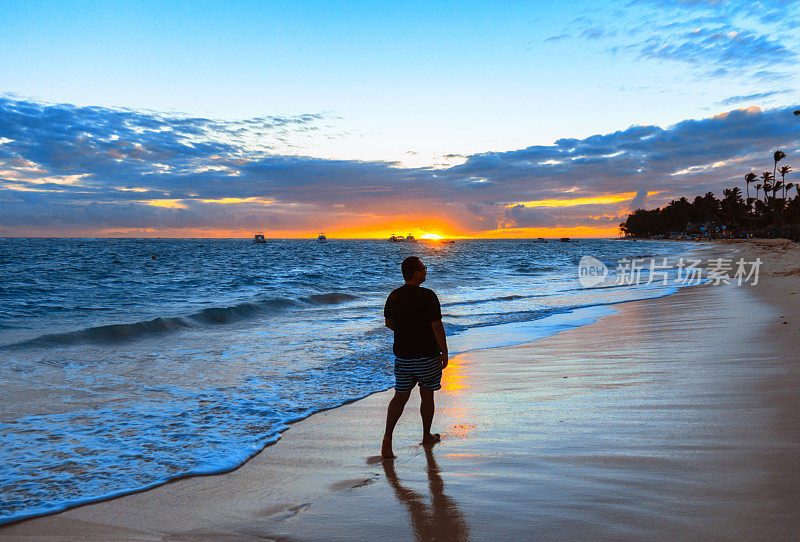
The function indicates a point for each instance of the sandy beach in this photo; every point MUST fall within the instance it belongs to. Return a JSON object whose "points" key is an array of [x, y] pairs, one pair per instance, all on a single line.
{"points": [[672, 419]]}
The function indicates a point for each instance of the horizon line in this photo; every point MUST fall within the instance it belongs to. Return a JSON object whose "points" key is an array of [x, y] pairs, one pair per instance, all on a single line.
{"points": [[313, 238]]}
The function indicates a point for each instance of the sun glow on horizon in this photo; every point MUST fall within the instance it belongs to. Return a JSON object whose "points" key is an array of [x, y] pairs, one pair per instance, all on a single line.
{"points": [[431, 236]]}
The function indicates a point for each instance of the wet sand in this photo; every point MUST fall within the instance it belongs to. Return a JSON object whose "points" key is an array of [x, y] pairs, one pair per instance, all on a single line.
{"points": [[673, 418]]}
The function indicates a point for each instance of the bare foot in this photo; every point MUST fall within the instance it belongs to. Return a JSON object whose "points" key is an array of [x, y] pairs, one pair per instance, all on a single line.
{"points": [[386, 448], [431, 438]]}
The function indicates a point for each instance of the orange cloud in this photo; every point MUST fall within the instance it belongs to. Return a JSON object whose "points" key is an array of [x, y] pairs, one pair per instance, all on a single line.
{"points": [[749, 109], [228, 201], [168, 203], [602, 200]]}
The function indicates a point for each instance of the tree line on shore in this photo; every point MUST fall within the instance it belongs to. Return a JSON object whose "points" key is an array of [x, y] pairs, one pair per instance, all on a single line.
{"points": [[771, 212]]}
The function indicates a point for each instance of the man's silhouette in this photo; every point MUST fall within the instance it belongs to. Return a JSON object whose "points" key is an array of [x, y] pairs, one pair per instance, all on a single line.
{"points": [[420, 349]]}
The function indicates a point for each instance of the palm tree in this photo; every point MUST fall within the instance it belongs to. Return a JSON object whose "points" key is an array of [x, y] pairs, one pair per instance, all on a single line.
{"points": [[732, 193], [777, 157], [783, 171], [755, 207], [767, 177], [777, 185], [749, 178], [731, 205]]}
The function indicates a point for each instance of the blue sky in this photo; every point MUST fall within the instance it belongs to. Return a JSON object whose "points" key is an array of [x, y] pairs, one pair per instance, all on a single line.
{"points": [[409, 91]]}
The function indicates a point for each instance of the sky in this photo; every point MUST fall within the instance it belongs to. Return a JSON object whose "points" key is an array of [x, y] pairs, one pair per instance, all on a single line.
{"points": [[362, 119]]}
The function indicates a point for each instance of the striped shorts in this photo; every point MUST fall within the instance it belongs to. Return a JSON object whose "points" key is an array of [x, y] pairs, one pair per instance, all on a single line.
{"points": [[425, 371]]}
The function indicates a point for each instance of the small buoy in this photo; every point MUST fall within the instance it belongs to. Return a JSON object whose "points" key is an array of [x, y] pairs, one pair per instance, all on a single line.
{"points": [[153, 257]]}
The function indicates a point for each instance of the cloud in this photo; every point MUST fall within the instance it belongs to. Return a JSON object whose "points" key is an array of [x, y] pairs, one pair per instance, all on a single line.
{"points": [[755, 42], [596, 32], [523, 217], [639, 201], [69, 169], [726, 48], [558, 37], [658, 159], [736, 100]]}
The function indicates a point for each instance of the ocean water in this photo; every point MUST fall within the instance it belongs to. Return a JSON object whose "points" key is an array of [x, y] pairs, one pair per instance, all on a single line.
{"points": [[125, 363]]}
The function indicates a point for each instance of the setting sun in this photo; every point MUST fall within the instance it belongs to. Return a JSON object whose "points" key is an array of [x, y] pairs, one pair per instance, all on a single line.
{"points": [[431, 236]]}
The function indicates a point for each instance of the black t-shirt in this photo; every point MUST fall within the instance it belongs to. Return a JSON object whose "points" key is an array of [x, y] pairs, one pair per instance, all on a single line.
{"points": [[412, 309]]}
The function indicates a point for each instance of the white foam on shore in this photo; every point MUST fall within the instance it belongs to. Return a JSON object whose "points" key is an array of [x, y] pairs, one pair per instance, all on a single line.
{"points": [[514, 333], [484, 338]]}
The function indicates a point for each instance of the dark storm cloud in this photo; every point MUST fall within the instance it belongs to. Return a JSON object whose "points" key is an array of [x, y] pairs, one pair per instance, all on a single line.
{"points": [[93, 168]]}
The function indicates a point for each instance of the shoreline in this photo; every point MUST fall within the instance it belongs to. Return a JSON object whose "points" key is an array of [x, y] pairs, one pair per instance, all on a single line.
{"points": [[499, 335], [312, 482]]}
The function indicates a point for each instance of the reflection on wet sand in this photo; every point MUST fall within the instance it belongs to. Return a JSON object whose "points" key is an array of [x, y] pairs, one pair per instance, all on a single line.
{"points": [[441, 520], [456, 380]]}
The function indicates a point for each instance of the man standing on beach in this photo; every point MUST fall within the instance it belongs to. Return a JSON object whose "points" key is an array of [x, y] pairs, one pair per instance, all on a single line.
{"points": [[420, 349]]}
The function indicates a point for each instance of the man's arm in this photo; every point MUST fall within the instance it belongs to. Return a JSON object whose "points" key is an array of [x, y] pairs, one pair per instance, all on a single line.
{"points": [[438, 332], [389, 323]]}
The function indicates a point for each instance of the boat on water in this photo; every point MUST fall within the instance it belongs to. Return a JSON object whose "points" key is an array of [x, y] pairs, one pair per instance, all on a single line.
{"points": [[540, 240], [565, 239], [399, 238], [259, 238], [321, 238]]}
